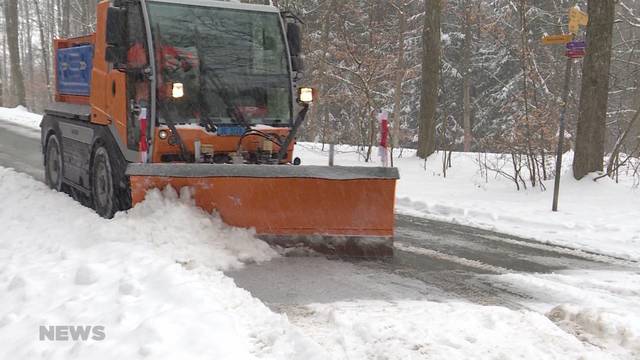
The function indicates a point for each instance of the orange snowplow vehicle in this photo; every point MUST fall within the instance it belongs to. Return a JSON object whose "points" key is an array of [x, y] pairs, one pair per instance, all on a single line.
{"points": [[203, 94]]}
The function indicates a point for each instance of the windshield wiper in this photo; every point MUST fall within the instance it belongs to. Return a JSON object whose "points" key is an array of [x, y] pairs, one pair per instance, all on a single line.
{"points": [[218, 85], [284, 148], [211, 76]]}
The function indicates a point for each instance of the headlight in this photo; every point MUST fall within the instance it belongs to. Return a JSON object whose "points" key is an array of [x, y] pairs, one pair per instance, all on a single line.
{"points": [[178, 90], [306, 95], [163, 134]]}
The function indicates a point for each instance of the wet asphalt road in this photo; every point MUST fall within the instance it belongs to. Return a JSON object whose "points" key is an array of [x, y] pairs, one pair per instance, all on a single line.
{"points": [[20, 149], [434, 260]]}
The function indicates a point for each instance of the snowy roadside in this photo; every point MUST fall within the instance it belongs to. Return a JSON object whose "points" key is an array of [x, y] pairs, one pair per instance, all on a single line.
{"points": [[600, 217], [601, 308], [27, 123], [427, 330], [152, 277]]}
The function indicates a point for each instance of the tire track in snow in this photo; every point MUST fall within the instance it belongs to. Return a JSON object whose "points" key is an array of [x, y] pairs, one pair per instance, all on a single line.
{"points": [[452, 258], [563, 250]]}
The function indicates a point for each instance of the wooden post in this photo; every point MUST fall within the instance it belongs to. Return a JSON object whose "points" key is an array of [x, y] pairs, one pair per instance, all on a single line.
{"points": [[565, 100]]}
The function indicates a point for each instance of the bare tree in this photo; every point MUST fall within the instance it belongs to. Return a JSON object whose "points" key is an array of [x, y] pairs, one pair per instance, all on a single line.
{"points": [[66, 18], [466, 76], [11, 24], [430, 78], [594, 97], [44, 47], [1, 88], [401, 71]]}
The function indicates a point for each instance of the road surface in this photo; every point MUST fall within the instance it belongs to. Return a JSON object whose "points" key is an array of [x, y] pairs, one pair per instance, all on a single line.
{"points": [[433, 260]]}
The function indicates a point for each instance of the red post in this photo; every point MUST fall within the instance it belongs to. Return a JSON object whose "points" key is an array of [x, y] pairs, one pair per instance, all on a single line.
{"points": [[384, 138]]}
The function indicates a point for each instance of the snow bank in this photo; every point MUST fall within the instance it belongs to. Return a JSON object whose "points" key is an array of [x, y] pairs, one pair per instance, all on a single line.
{"points": [[151, 277], [596, 306], [600, 217], [599, 327], [428, 330], [20, 116]]}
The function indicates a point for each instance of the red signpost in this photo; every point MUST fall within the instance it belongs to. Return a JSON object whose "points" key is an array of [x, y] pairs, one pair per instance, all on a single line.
{"points": [[576, 54], [575, 50]]}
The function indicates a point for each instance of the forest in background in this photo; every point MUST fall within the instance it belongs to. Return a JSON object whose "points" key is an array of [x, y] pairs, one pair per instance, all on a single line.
{"points": [[499, 89]]}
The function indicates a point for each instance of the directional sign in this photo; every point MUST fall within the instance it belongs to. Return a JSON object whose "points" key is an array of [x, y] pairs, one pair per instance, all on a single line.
{"points": [[557, 39], [579, 17], [574, 27], [577, 45], [576, 54]]}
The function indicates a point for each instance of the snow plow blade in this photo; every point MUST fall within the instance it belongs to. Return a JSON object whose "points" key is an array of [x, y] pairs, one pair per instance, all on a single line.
{"points": [[333, 210]]}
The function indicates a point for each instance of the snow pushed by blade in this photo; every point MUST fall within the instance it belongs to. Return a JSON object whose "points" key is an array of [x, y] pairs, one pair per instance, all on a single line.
{"points": [[190, 235], [152, 277], [428, 330]]}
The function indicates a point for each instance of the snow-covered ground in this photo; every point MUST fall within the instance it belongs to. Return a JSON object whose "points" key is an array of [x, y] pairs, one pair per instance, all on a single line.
{"points": [[598, 307], [153, 278], [427, 330], [597, 216], [20, 116]]}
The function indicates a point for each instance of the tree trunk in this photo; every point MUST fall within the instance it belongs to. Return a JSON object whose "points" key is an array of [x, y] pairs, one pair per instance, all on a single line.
{"points": [[466, 80], [594, 96], [400, 74], [29, 61], [11, 22], [1, 88], [321, 110], [66, 18], [5, 72], [44, 46], [430, 78], [84, 16]]}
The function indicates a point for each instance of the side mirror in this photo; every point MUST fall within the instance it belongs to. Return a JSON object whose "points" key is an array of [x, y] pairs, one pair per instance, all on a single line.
{"points": [[294, 38], [116, 37], [297, 63]]}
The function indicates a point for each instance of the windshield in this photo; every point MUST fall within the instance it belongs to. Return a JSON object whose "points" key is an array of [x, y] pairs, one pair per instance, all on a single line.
{"points": [[220, 65]]}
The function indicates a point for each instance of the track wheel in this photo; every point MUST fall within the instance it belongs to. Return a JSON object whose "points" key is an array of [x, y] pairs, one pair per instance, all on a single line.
{"points": [[103, 190], [53, 164]]}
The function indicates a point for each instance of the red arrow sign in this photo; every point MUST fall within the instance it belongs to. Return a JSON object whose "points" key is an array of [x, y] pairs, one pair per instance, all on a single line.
{"points": [[576, 54]]}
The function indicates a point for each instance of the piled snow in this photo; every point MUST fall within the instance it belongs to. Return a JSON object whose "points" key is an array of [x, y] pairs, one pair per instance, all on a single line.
{"points": [[597, 307], [20, 116], [599, 327], [151, 277], [428, 330], [596, 216]]}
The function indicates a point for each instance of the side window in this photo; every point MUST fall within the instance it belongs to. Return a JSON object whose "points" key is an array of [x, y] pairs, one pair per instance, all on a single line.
{"points": [[138, 86]]}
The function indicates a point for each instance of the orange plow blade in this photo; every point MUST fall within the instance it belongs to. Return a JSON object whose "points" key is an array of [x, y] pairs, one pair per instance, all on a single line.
{"points": [[333, 210]]}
